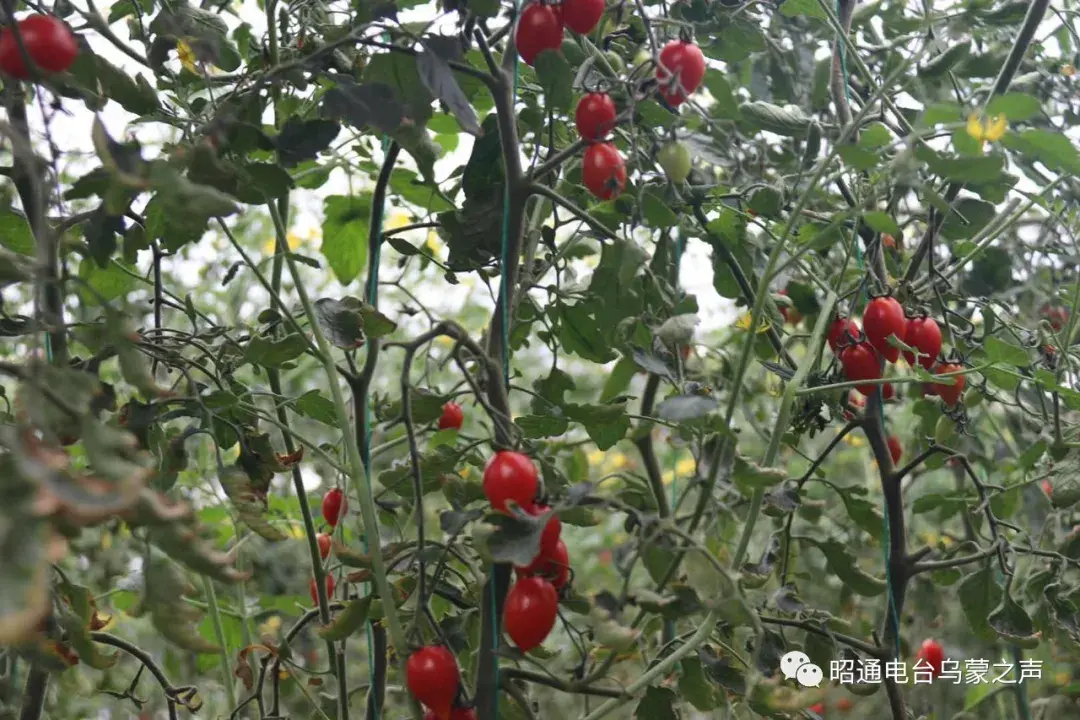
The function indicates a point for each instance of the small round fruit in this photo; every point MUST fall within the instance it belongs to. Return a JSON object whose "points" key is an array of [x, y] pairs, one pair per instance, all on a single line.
{"points": [[895, 449], [924, 335], [452, 416], [674, 158], [1056, 316], [510, 476], [839, 330], [884, 316], [432, 676], [603, 171], [791, 314], [553, 566], [860, 362], [333, 505], [455, 714], [581, 16], [314, 589], [594, 116], [1047, 487], [844, 704], [531, 608], [539, 28], [933, 655], [680, 71], [325, 543], [818, 708], [48, 40], [949, 393], [972, 398]]}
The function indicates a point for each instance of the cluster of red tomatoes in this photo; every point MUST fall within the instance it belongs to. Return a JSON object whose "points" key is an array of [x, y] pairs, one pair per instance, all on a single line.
{"points": [[433, 678], [679, 72], [48, 41], [603, 171], [532, 603], [859, 352], [333, 505]]}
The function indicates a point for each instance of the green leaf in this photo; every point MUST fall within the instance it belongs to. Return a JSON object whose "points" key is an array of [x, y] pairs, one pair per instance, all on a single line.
{"points": [[975, 213], [842, 563], [681, 408], [750, 475], [1052, 149], [978, 593], [345, 233], [618, 380], [882, 222], [658, 703], [1017, 107], [766, 202], [301, 140], [556, 78], [317, 407], [581, 335], [104, 284], [999, 351], [695, 686], [269, 352], [539, 426], [348, 621], [787, 121], [656, 212], [807, 8], [15, 233], [717, 84], [1012, 623], [1064, 477]]}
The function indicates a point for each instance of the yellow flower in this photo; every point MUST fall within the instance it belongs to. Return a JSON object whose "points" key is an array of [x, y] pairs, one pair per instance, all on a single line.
{"points": [[187, 57], [854, 440], [986, 130], [297, 531], [668, 477], [433, 243], [294, 241], [595, 457], [1068, 70], [397, 218], [743, 323], [271, 626], [619, 461], [685, 466]]}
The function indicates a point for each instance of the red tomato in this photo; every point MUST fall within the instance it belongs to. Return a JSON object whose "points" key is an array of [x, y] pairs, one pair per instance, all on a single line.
{"points": [[888, 241], [1056, 316], [452, 416], [594, 116], [553, 566], [552, 530], [510, 476], [844, 704], [1047, 487], [888, 392], [839, 330], [314, 589], [949, 393], [857, 403], [333, 505], [818, 708], [924, 335], [895, 449], [680, 71], [603, 171], [932, 654], [49, 43], [790, 314], [860, 362], [539, 28], [684, 352], [324, 545], [581, 16], [884, 316], [432, 676], [531, 608]]}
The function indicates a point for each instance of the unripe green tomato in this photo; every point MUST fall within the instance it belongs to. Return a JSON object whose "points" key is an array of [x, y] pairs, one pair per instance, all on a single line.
{"points": [[972, 398], [572, 51], [944, 429], [616, 62], [675, 159], [642, 57]]}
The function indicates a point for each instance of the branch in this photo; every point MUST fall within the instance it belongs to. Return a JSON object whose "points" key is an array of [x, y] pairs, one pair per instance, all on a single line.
{"points": [[37, 685], [174, 694], [1035, 13], [929, 565], [648, 452], [861, 645], [561, 685]]}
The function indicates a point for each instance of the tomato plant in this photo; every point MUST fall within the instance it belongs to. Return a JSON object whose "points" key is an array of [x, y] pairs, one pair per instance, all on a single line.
{"points": [[510, 476], [924, 335], [325, 544], [949, 393], [860, 362], [680, 70], [581, 16], [931, 653], [674, 158], [842, 331], [896, 448], [884, 318], [313, 589]]}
